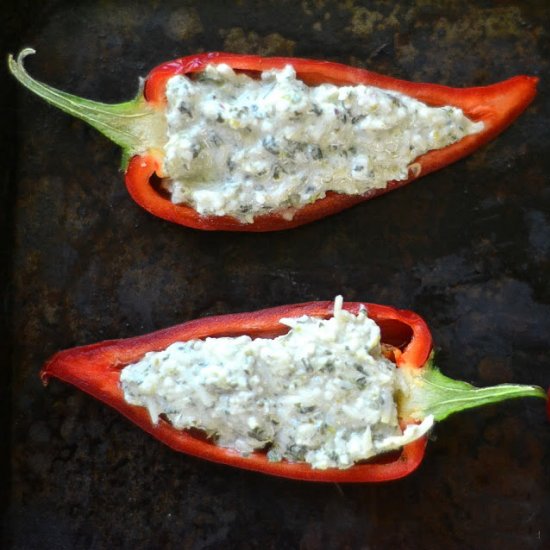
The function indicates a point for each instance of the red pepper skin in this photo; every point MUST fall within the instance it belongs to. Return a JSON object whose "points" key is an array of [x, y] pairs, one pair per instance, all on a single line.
{"points": [[497, 105], [95, 369]]}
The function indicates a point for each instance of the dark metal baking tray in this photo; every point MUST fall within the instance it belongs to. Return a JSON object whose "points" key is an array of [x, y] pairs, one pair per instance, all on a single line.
{"points": [[468, 248]]}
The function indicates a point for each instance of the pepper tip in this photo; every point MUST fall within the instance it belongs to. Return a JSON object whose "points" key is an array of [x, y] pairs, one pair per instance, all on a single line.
{"points": [[16, 64]]}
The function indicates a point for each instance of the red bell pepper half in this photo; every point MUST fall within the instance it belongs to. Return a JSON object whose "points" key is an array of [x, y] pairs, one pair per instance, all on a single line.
{"points": [[96, 368], [139, 127]]}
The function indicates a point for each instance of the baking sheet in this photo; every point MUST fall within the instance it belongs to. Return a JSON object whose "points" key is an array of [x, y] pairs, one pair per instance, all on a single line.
{"points": [[468, 248]]}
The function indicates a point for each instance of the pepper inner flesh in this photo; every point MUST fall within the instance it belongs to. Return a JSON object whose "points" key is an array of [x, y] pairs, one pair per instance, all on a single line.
{"points": [[324, 393], [243, 146]]}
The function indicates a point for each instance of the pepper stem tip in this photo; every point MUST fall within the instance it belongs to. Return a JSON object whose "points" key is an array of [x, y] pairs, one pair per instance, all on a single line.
{"points": [[431, 392], [134, 125]]}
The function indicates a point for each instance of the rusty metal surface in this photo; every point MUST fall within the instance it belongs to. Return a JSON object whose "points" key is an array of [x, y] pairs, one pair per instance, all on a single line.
{"points": [[468, 248]]}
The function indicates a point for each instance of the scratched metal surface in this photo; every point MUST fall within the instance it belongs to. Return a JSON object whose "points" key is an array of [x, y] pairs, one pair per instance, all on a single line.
{"points": [[467, 247]]}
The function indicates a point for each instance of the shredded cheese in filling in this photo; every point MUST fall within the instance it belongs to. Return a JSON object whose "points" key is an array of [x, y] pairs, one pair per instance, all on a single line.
{"points": [[323, 393], [243, 147]]}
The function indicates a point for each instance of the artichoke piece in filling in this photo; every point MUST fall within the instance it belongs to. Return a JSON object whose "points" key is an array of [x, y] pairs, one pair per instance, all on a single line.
{"points": [[243, 147], [323, 393]]}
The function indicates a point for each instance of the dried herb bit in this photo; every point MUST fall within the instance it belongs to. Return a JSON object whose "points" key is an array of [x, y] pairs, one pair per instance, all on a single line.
{"points": [[360, 368], [215, 139], [302, 409], [270, 144], [328, 367], [258, 433], [297, 452], [316, 109], [361, 382], [395, 101], [324, 428], [333, 455], [315, 152], [184, 109], [307, 365], [274, 455], [196, 149]]}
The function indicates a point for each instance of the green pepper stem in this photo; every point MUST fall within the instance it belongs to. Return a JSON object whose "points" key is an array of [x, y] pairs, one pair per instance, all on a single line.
{"points": [[433, 393], [134, 125]]}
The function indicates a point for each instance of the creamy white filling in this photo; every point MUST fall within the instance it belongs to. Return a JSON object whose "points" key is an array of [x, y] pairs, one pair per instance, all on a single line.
{"points": [[323, 393], [242, 147]]}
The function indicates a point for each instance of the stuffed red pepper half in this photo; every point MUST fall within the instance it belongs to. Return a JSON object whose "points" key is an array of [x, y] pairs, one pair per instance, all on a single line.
{"points": [[342, 392], [221, 141]]}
